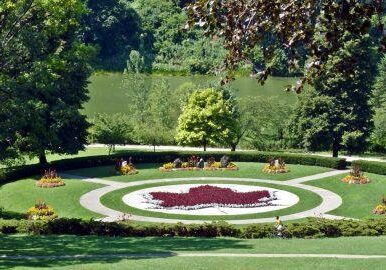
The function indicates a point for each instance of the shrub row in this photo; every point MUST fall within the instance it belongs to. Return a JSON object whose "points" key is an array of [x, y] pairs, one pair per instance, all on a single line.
{"points": [[312, 228], [161, 157], [371, 166]]}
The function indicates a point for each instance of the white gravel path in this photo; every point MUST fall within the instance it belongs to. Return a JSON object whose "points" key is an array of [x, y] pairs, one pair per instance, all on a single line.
{"points": [[330, 200], [187, 254]]}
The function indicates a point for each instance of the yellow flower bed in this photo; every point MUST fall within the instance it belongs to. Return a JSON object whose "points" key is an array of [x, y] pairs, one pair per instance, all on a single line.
{"points": [[380, 209], [275, 169], [128, 170], [50, 182], [41, 211], [351, 179]]}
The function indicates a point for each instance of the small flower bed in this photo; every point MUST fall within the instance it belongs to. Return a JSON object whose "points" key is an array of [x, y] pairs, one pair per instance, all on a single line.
{"points": [[124, 167], [276, 166], [356, 176], [41, 211], [210, 196], [50, 179], [195, 163], [380, 209]]}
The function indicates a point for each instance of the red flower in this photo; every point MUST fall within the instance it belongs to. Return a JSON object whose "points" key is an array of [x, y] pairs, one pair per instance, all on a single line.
{"points": [[207, 196]]}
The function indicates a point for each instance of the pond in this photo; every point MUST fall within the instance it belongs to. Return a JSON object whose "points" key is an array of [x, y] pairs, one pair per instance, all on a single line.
{"points": [[107, 94]]}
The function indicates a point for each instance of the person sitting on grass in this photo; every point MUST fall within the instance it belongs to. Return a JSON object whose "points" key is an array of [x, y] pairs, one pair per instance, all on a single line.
{"points": [[279, 227]]}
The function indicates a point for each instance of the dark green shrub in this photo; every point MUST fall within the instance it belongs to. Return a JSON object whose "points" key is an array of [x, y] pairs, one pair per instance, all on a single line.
{"points": [[312, 228], [371, 166]]}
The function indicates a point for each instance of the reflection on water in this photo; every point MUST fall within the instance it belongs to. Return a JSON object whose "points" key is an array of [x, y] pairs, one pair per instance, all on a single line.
{"points": [[107, 94]]}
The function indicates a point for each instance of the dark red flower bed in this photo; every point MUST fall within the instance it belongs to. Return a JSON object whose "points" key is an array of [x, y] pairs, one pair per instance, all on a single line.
{"points": [[207, 196]]}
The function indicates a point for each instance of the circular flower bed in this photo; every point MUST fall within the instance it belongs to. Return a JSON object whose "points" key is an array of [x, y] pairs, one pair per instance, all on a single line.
{"points": [[380, 209], [276, 166], [356, 176], [209, 196], [128, 169], [125, 167], [50, 179], [41, 211]]}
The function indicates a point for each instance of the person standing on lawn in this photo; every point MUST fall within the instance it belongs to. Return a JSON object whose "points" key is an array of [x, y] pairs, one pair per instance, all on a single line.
{"points": [[279, 227]]}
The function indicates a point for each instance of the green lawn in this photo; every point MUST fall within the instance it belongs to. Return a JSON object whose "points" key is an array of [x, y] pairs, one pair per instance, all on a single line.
{"points": [[308, 200], [17, 197], [358, 200], [151, 171], [70, 245]]}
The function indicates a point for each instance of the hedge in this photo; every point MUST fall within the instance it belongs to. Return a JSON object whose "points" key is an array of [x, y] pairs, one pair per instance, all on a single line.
{"points": [[371, 166], [161, 157], [312, 228]]}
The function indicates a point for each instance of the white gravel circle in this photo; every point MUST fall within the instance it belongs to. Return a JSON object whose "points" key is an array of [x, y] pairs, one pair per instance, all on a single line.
{"points": [[285, 199]]}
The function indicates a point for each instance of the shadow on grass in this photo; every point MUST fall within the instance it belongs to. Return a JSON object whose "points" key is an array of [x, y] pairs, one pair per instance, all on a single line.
{"points": [[107, 171], [18, 245]]}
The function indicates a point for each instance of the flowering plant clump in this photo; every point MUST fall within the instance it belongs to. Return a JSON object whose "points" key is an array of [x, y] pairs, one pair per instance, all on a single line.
{"points": [[356, 176], [210, 196], [41, 211], [276, 166], [196, 163], [50, 179], [380, 209], [125, 167]]}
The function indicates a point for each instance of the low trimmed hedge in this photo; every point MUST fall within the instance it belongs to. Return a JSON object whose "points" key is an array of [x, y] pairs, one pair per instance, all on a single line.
{"points": [[371, 166], [162, 157], [312, 228]]}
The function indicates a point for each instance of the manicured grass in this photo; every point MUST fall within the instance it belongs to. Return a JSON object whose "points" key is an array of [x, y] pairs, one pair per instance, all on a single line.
{"points": [[151, 171], [200, 263], [70, 245], [17, 197], [308, 200], [358, 200]]}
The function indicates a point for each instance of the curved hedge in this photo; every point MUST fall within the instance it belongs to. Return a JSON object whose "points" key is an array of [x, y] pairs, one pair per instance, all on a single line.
{"points": [[161, 157], [371, 166]]}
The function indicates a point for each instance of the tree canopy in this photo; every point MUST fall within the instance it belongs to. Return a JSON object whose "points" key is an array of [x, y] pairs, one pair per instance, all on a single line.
{"points": [[295, 25], [206, 119], [44, 73]]}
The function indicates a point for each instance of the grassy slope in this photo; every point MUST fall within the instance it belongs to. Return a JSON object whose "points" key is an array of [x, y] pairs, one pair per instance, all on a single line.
{"points": [[358, 200], [247, 170], [19, 196], [308, 201], [60, 245]]}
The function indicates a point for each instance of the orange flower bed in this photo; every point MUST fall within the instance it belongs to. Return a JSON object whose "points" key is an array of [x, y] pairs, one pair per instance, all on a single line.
{"points": [[50, 179]]}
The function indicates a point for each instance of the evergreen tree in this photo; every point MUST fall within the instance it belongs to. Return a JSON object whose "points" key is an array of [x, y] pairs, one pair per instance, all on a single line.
{"points": [[337, 114]]}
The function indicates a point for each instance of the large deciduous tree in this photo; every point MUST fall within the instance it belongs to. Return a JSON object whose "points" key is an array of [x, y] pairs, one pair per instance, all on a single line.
{"points": [[296, 26], [208, 118], [43, 78]]}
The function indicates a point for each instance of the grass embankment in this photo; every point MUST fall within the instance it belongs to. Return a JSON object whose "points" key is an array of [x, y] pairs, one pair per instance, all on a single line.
{"points": [[358, 200], [17, 197], [247, 170], [168, 247]]}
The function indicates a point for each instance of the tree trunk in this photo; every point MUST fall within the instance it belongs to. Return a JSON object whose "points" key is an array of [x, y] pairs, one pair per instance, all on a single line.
{"points": [[335, 147], [204, 146], [43, 159], [154, 146], [233, 147]]}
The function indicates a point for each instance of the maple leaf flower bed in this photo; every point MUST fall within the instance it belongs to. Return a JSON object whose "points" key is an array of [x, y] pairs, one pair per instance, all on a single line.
{"points": [[210, 196]]}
